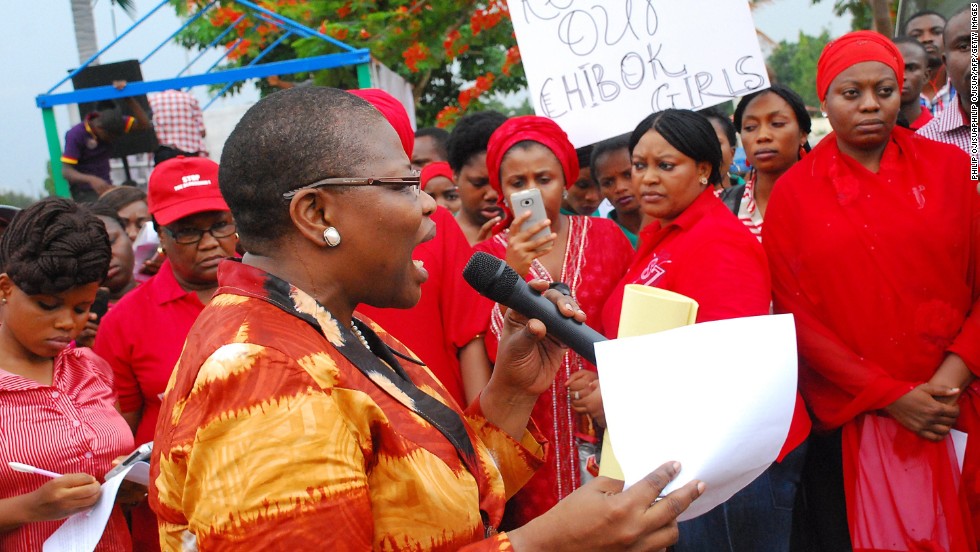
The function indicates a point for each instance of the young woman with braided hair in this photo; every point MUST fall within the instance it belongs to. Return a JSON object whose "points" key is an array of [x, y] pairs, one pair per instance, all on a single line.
{"points": [[56, 401]]}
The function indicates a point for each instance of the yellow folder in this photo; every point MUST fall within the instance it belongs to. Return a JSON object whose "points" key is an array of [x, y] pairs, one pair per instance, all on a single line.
{"points": [[646, 310]]}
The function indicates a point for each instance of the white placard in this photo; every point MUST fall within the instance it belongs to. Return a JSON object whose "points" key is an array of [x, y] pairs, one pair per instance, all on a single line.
{"points": [[598, 67]]}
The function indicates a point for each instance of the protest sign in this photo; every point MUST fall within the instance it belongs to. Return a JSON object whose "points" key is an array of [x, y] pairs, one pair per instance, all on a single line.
{"points": [[597, 67]]}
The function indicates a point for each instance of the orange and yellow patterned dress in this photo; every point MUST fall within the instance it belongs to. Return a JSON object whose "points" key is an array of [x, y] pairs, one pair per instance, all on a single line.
{"points": [[281, 431]]}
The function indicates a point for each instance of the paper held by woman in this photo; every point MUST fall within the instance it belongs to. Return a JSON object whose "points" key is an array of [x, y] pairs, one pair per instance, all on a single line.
{"points": [[717, 396]]}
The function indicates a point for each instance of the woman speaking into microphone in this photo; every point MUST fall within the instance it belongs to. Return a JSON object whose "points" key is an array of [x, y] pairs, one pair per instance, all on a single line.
{"points": [[291, 424]]}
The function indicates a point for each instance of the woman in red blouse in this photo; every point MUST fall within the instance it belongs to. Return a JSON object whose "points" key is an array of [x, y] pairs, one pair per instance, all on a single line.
{"points": [[693, 242], [585, 253], [56, 402]]}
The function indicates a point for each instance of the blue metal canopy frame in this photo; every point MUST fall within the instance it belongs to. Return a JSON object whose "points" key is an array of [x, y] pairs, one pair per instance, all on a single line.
{"points": [[348, 56]]}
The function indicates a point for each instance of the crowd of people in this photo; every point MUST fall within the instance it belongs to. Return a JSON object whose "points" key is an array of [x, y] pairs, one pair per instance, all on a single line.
{"points": [[314, 372]]}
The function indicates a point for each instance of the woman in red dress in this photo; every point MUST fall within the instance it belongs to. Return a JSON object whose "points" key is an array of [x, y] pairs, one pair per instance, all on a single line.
{"points": [[873, 241], [587, 254]]}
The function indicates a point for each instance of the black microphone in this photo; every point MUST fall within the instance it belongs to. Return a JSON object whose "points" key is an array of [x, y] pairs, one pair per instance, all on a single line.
{"points": [[493, 279]]}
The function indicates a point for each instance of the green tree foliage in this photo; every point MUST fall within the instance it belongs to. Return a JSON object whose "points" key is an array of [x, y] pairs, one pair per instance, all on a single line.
{"points": [[795, 64], [456, 55], [49, 181], [17, 199], [863, 14]]}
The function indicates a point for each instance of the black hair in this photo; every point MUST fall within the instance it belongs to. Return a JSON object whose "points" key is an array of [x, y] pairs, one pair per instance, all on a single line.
{"points": [[584, 155], [471, 136], [686, 131], [931, 63], [289, 139], [602, 148], [715, 114], [918, 14], [120, 196], [54, 245], [789, 95], [103, 210], [909, 40], [440, 137], [111, 121]]}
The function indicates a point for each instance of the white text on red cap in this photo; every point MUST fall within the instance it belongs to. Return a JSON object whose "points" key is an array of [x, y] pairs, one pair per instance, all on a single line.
{"points": [[191, 180]]}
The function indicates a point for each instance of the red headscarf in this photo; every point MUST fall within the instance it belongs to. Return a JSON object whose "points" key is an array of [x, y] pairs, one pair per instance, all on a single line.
{"points": [[536, 129], [394, 111], [854, 48], [432, 170]]}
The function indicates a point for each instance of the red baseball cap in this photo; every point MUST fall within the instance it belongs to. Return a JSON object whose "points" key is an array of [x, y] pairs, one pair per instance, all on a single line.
{"points": [[184, 186]]}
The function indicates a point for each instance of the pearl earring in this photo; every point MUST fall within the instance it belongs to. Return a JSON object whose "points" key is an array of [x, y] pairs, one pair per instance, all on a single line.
{"points": [[703, 180], [331, 236]]}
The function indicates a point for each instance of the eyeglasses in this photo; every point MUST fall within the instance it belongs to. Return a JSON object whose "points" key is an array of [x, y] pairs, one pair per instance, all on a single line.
{"points": [[188, 236], [413, 183]]}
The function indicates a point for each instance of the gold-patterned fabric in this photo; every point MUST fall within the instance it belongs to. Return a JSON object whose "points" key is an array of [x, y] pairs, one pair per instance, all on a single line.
{"points": [[271, 438]]}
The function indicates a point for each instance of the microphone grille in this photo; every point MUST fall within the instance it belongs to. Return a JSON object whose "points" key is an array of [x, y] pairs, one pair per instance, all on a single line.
{"points": [[490, 276]]}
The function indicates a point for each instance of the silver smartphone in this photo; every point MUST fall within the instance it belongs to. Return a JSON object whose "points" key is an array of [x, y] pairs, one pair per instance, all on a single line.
{"points": [[530, 200]]}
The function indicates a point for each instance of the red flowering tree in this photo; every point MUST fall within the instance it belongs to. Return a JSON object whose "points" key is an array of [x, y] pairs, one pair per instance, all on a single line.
{"points": [[456, 55]]}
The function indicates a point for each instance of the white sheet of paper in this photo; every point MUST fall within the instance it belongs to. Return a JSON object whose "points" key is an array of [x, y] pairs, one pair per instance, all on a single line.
{"points": [[83, 531], [718, 397], [959, 445]]}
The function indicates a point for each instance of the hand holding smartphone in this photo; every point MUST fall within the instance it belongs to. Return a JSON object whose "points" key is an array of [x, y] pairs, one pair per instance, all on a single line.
{"points": [[530, 200]]}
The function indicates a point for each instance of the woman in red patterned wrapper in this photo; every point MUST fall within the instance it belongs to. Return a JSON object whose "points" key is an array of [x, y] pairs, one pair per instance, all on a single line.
{"points": [[296, 424]]}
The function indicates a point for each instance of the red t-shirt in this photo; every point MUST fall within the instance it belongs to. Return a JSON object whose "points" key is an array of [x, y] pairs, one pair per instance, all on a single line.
{"points": [[141, 337]]}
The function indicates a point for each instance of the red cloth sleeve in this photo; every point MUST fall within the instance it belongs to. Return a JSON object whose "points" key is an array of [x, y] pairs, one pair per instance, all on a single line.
{"points": [[468, 312], [967, 343], [833, 368]]}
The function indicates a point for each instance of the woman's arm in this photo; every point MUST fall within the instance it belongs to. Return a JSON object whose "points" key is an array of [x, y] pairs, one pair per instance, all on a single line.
{"points": [[474, 368]]}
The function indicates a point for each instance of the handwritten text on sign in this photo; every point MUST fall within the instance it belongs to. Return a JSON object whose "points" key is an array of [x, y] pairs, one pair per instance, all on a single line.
{"points": [[597, 67]]}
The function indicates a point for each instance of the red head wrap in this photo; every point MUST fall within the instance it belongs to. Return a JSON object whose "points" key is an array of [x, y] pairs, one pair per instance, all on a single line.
{"points": [[394, 111], [432, 170], [854, 48], [536, 129]]}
